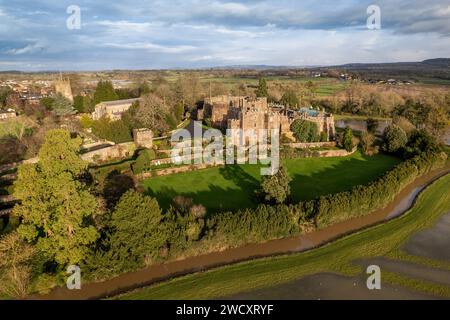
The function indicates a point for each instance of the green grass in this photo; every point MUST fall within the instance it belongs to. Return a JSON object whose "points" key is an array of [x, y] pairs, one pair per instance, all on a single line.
{"points": [[381, 240], [233, 187]]}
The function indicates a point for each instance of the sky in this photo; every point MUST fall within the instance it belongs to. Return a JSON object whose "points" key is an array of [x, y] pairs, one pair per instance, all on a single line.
{"points": [[163, 34]]}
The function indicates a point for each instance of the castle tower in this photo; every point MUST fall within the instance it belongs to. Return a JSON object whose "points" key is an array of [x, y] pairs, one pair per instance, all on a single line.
{"points": [[62, 86]]}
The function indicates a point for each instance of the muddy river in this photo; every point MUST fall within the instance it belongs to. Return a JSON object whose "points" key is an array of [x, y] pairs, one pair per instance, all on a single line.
{"points": [[153, 274]]}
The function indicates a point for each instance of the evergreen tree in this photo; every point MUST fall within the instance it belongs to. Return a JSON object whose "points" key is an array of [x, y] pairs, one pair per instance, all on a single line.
{"points": [[305, 131], [348, 140], [55, 206], [62, 106], [104, 92], [290, 99], [137, 233], [262, 90]]}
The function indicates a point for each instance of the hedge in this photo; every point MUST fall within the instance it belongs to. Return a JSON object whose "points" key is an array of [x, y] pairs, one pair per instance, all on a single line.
{"points": [[253, 225], [363, 200], [272, 222]]}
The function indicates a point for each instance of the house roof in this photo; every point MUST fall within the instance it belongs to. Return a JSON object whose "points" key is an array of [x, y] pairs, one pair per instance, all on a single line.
{"points": [[118, 102]]}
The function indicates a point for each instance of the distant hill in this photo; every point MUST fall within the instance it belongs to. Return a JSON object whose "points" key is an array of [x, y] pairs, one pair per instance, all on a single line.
{"points": [[428, 69], [436, 63], [440, 62]]}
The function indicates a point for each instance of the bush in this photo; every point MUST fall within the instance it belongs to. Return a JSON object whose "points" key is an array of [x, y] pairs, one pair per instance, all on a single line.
{"points": [[368, 144], [116, 131], [421, 142], [348, 141], [395, 139], [254, 225], [362, 200], [86, 121], [268, 222], [305, 131], [276, 188], [143, 161]]}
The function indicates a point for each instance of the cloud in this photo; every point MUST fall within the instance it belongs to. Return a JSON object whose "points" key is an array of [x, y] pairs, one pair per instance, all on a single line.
{"points": [[151, 47], [30, 48], [200, 33]]}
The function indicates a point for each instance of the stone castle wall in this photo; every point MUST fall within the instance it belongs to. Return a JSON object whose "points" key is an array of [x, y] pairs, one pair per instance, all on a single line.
{"points": [[118, 151]]}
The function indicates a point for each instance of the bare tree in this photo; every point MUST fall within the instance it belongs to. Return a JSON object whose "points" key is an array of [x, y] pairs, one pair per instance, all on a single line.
{"points": [[152, 113], [15, 269]]}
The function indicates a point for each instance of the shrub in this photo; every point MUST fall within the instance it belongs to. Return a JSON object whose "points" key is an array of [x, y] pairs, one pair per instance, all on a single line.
{"points": [[362, 200], [305, 131], [372, 125], [86, 121], [367, 144], [323, 136], [144, 161], [276, 188], [116, 131], [348, 141], [254, 225], [394, 139], [421, 142]]}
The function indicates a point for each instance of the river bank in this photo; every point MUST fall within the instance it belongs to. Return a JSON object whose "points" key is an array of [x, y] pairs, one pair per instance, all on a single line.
{"points": [[157, 273]]}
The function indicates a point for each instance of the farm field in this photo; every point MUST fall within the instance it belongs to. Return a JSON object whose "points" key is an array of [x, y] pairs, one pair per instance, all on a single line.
{"points": [[233, 187]]}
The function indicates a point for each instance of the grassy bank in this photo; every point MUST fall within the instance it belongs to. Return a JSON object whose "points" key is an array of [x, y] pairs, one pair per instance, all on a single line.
{"points": [[378, 241], [233, 187]]}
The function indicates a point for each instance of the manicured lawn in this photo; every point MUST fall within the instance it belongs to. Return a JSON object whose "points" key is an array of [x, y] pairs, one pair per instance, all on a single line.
{"points": [[233, 187], [382, 240]]}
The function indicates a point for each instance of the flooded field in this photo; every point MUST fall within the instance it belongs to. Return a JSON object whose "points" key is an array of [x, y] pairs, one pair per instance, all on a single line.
{"points": [[361, 125], [432, 243], [327, 286]]}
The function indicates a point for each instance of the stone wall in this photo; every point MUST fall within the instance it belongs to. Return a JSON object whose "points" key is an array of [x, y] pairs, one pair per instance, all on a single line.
{"points": [[311, 145], [175, 170], [118, 151], [335, 153]]}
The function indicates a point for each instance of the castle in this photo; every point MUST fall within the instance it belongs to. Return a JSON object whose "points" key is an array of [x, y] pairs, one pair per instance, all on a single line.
{"points": [[235, 112], [62, 86]]}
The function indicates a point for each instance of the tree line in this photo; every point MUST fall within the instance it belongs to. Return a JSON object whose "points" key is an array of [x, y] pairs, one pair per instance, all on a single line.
{"points": [[63, 221]]}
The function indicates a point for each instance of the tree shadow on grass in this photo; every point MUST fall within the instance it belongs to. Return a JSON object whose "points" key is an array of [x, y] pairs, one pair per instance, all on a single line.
{"points": [[115, 185], [215, 199], [239, 177], [339, 177], [336, 178]]}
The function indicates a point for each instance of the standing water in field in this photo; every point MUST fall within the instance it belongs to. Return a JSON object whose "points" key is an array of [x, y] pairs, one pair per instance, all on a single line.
{"points": [[361, 125]]}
